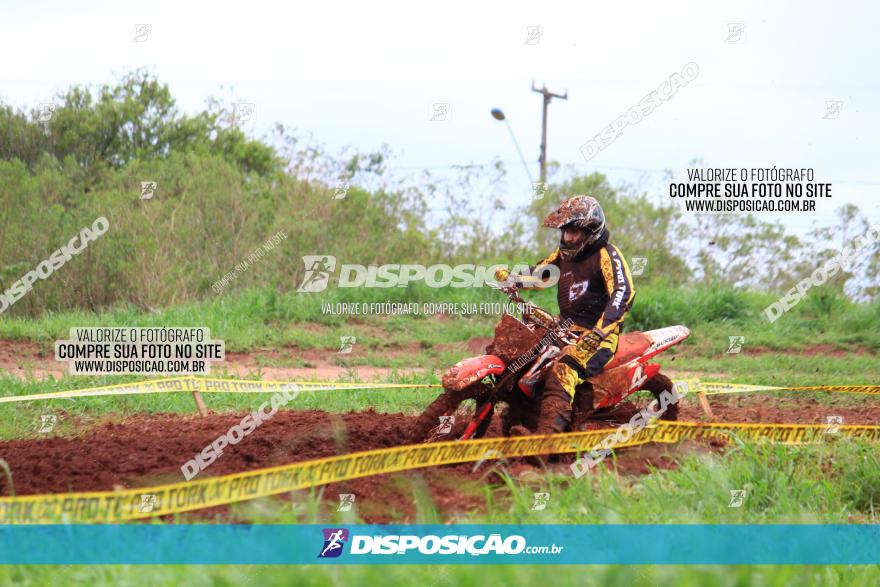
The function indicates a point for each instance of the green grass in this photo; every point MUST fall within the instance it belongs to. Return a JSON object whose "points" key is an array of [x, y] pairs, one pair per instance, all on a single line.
{"points": [[827, 483], [837, 482], [264, 318], [447, 575], [834, 483], [781, 369]]}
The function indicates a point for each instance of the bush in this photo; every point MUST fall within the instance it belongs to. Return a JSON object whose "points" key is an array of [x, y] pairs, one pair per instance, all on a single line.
{"points": [[205, 218], [662, 304]]}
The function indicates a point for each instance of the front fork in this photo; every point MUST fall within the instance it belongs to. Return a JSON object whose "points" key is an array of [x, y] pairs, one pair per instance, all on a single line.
{"points": [[485, 409], [527, 384], [481, 415]]}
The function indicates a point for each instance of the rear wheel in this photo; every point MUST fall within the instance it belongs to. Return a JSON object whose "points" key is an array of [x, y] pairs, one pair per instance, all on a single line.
{"points": [[433, 426]]}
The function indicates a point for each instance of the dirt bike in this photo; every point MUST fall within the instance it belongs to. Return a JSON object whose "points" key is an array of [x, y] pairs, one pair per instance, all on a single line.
{"points": [[514, 367]]}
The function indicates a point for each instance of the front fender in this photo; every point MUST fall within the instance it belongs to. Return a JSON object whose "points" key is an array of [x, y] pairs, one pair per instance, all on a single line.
{"points": [[468, 371]]}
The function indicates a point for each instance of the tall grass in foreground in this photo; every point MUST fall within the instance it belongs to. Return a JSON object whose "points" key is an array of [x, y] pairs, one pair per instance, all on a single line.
{"points": [[837, 483], [447, 575]]}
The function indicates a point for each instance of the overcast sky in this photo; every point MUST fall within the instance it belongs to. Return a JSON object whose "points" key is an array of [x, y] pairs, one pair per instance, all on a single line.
{"points": [[368, 73]]}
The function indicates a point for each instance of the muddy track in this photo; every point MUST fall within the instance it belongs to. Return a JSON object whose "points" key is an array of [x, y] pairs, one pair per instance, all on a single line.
{"points": [[145, 450], [148, 450], [793, 409]]}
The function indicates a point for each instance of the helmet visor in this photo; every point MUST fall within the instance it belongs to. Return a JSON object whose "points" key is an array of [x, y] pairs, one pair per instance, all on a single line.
{"points": [[595, 221]]}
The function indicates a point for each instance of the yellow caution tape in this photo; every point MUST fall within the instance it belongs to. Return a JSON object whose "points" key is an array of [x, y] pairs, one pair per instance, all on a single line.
{"points": [[216, 385], [713, 388], [207, 385], [236, 384], [154, 386], [717, 388], [130, 504], [782, 433], [874, 389]]}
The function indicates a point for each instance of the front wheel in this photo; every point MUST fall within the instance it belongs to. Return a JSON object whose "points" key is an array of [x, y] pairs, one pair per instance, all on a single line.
{"points": [[433, 425]]}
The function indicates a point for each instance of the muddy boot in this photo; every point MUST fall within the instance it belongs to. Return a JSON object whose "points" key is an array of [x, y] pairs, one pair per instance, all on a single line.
{"points": [[582, 407], [520, 430], [519, 418], [555, 411], [555, 417]]}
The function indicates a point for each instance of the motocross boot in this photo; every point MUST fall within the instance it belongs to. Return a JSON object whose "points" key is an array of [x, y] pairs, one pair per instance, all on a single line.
{"points": [[555, 408], [555, 411], [555, 417], [582, 406]]}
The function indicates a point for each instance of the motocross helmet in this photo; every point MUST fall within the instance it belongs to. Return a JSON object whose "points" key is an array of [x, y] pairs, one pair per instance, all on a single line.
{"points": [[583, 213]]}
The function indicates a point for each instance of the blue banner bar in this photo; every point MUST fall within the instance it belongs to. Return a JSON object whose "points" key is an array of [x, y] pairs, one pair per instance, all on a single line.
{"points": [[433, 544]]}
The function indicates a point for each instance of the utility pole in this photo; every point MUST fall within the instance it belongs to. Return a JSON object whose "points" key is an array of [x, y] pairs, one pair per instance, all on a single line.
{"points": [[548, 95]]}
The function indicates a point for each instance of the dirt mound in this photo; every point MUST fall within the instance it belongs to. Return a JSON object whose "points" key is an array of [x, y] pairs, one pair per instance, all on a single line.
{"points": [[786, 409], [148, 449]]}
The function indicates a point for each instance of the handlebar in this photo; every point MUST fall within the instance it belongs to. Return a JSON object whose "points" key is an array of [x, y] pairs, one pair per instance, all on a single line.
{"points": [[531, 312]]}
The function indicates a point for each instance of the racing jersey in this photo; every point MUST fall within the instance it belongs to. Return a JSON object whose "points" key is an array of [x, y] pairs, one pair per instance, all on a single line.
{"points": [[595, 288]]}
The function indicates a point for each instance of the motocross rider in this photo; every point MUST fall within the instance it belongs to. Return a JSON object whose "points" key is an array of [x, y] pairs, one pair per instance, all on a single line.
{"points": [[595, 292]]}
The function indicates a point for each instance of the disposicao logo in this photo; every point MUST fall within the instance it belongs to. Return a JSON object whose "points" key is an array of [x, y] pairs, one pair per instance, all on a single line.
{"points": [[334, 540], [320, 268]]}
